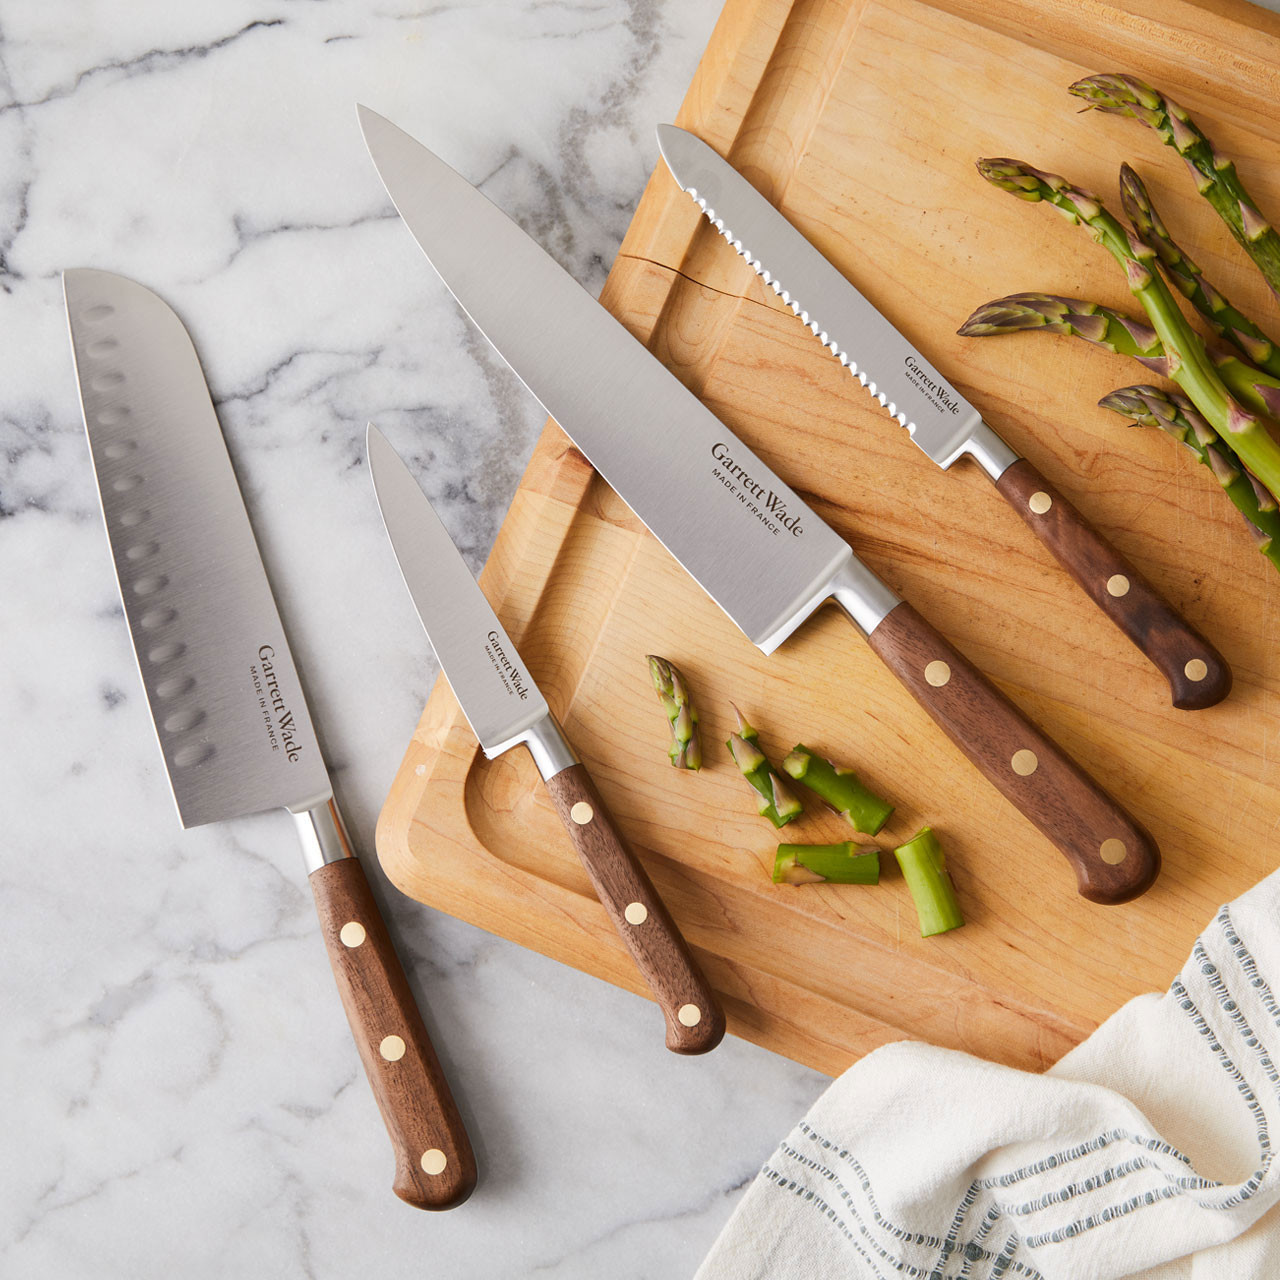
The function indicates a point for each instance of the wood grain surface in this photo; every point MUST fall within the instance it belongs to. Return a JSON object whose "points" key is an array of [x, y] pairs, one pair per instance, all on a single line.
{"points": [[862, 122]]}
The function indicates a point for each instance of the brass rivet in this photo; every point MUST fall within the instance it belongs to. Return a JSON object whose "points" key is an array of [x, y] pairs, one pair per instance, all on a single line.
{"points": [[1024, 763], [1039, 502], [352, 933], [391, 1048], [690, 1015], [1118, 585], [1196, 669], [434, 1161], [1113, 851], [937, 673], [636, 913], [581, 813]]}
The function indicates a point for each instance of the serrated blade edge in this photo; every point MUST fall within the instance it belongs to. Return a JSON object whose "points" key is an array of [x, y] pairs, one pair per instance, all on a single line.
{"points": [[916, 396]]}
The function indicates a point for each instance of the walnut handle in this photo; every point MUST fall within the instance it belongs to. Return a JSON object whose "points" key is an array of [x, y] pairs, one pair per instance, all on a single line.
{"points": [[1198, 675], [695, 1021], [435, 1166], [1114, 857]]}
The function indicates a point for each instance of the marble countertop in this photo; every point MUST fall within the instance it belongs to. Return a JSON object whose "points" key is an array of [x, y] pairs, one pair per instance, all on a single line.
{"points": [[182, 1094]]}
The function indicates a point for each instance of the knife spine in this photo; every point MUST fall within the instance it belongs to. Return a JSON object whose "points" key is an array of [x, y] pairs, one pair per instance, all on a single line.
{"points": [[813, 326]]}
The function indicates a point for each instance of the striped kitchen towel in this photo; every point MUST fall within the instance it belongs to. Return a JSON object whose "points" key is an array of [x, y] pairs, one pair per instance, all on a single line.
{"points": [[1146, 1151]]}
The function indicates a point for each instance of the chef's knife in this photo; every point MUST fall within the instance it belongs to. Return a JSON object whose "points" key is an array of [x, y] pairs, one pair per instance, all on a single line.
{"points": [[505, 707], [938, 418], [764, 555], [223, 692]]}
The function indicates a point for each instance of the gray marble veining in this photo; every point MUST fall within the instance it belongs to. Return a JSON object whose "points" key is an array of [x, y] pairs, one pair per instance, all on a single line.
{"points": [[181, 1093]]}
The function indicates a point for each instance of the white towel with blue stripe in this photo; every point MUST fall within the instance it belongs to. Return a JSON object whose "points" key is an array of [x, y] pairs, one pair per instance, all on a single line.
{"points": [[1146, 1152]]}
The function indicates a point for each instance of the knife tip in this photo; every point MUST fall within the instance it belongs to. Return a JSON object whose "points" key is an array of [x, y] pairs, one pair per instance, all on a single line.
{"points": [[670, 138]]}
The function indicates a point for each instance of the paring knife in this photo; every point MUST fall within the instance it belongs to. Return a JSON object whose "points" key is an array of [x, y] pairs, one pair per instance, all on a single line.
{"points": [[942, 423], [505, 707], [224, 694], [759, 551]]}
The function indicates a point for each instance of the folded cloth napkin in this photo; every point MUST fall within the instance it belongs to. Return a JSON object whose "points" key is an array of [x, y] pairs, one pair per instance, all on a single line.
{"points": [[1147, 1151]]}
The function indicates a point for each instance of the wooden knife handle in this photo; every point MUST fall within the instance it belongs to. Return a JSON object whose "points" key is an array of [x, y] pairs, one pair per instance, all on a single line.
{"points": [[1197, 674], [435, 1166], [1115, 859], [695, 1021]]}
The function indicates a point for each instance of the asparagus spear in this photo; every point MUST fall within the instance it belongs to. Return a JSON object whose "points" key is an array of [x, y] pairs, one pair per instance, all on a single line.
{"points": [[1225, 320], [844, 863], [840, 788], [924, 869], [673, 691], [1115, 331], [1149, 406], [777, 803], [1153, 407], [1189, 363], [1215, 175], [1051, 313]]}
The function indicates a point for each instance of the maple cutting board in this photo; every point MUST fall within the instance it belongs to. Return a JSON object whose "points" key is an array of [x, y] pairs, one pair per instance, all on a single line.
{"points": [[863, 120]]}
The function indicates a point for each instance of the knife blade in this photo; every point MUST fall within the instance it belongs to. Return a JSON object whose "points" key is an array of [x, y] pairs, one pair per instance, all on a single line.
{"points": [[762, 553], [939, 420], [504, 706], [224, 694]]}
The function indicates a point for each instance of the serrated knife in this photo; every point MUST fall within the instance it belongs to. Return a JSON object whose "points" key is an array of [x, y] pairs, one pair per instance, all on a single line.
{"points": [[761, 552], [940, 421], [224, 695], [505, 708]]}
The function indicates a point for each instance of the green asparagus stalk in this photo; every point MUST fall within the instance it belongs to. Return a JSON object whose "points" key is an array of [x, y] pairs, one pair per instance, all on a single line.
{"points": [[777, 803], [1120, 333], [924, 869], [1050, 313], [1115, 331], [840, 788], [1189, 363], [673, 692], [1253, 387], [1215, 175], [1226, 320], [1173, 413], [844, 863]]}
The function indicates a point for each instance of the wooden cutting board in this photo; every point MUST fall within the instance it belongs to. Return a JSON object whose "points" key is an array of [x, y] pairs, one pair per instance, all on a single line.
{"points": [[862, 121]]}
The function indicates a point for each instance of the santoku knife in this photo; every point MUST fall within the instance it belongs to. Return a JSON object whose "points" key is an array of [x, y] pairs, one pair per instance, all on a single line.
{"points": [[224, 695], [504, 708], [764, 555], [939, 419]]}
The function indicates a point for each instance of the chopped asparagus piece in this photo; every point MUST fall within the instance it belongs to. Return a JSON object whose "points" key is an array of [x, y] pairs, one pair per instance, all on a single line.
{"points": [[844, 863], [673, 692], [924, 869], [777, 801], [840, 788]]}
